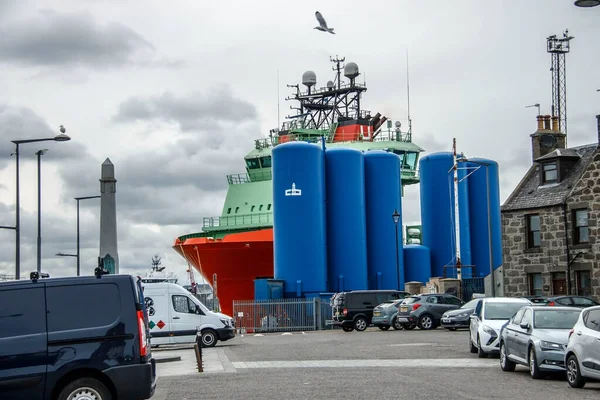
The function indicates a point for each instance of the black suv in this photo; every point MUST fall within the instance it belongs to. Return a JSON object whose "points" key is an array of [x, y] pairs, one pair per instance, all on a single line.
{"points": [[354, 309], [75, 338]]}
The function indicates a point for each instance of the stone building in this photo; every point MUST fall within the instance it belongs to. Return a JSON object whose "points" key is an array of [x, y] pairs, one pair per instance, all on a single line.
{"points": [[549, 222]]}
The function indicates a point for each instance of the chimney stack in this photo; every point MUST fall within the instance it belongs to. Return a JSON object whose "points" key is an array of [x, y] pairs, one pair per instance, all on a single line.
{"points": [[555, 124], [540, 122], [547, 122]]}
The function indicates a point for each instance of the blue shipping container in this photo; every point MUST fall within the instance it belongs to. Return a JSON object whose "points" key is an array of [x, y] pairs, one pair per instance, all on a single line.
{"points": [[437, 214], [417, 263], [346, 221], [299, 233], [382, 188], [479, 215]]}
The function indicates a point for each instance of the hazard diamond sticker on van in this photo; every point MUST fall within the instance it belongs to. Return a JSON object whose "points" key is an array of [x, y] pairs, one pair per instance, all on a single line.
{"points": [[160, 324], [152, 324]]}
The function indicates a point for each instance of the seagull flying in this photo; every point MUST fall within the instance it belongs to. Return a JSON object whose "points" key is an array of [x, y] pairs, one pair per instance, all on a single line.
{"points": [[322, 24]]}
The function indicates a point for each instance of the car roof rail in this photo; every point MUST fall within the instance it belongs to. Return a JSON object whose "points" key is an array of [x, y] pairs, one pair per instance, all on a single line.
{"points": [[99, 271], [35, 275]]}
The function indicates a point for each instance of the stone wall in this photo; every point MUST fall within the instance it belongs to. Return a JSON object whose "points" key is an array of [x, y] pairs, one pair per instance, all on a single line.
{"points": [[551, 256]]}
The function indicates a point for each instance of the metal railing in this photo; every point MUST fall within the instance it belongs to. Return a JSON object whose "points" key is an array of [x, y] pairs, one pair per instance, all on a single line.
{"points": [[236, 220], [281, 315], [256, 175], [6, 277]]}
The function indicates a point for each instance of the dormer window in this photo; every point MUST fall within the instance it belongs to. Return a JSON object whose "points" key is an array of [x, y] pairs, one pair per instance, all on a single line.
{"points": [[549, 173]]}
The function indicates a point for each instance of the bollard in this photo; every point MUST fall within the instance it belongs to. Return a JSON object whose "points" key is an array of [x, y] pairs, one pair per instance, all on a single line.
{"points": [[198, 350]]}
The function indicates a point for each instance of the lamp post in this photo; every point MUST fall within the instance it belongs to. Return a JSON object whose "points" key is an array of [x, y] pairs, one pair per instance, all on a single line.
{"points": [[489, 218], [39, 154], [78, 248], [396, 218], [58, 138], [587, 3]]}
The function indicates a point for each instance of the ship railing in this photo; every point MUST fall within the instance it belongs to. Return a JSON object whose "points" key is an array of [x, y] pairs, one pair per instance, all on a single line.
{"points": [[384, 134], [257, 175], [236, 179], [237, 220], [325, 90], [6, 277], [282, 315]]}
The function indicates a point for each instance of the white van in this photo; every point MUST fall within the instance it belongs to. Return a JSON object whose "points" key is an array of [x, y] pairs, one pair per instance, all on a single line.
{"points": [[176, 316]]}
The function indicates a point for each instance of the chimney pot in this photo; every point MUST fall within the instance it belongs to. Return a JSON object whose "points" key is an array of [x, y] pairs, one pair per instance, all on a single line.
{"points": [[547, 122], [540, 122], [555, 123]]}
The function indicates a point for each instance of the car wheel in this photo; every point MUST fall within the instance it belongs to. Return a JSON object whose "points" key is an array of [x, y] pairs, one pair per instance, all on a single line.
{"points": [[360, 324], [383, 327], [505, 363], [83, 389], [472, 347], [426, 322], [397, 325], [574, 377], [348, 328], [480, 352], [534, 370], [209, 338]]}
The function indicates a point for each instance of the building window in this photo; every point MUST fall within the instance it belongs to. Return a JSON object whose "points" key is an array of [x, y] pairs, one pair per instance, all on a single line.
{"points": [[550, 174], [535, 284], [559, 283], [584, 283], [580, 226], [533, 231]]}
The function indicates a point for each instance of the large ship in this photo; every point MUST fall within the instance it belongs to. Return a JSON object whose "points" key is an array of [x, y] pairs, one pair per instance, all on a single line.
{"points": [[236, 247]]}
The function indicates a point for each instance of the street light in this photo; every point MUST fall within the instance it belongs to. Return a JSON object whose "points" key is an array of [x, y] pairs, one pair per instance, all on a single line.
{"points": [[587, 3], [39, 154], [396, 218], [78, 250], [61, 137], [489, 216]]}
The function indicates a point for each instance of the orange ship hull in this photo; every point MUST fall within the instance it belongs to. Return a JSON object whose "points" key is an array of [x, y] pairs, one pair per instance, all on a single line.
{"points": [[237, 259]]}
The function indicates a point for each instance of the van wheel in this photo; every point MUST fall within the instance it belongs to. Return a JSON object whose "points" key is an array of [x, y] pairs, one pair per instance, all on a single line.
{"points": [[360, 324], [85, 389], [209, 338]]}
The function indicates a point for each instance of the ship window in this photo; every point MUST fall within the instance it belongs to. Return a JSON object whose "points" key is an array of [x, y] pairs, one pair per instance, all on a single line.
{"points": [[252, 209], [265, 162], [252, 163], [400, 154], [268, 207], [237, 209], [229, 210], [410, 160], [260, 208]]}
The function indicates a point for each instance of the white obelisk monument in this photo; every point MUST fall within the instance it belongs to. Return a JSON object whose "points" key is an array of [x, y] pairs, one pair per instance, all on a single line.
{"points": [[108, 218]]}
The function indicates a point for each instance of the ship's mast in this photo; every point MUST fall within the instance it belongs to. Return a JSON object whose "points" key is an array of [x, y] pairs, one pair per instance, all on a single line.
{"points": [[456, 211], [558, 48]]}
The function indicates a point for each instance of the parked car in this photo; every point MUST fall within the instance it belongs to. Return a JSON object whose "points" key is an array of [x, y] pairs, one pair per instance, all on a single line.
{"points": [[571, 301], [487, 321], [460, 318], [75, 338], [541, 300], [426, 310], [354, 310], [582, 357], [537, 336], [384, 315]]}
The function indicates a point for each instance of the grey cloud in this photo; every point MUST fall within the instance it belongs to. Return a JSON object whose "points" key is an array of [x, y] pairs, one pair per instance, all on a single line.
{"points": [[192, 112], [54, 39], [18, 123]]}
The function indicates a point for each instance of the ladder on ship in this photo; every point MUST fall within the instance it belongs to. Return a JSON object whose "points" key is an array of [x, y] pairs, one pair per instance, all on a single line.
{"points": [[331, 133]]}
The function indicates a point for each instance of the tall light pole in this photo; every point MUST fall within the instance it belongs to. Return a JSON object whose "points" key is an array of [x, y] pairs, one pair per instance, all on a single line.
{"points": [[58, 138], [78, 248], [39, 154], [396, 218]]}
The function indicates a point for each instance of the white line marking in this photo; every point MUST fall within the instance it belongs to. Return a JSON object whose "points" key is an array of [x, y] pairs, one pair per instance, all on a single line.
{"points": [[402, 363]]}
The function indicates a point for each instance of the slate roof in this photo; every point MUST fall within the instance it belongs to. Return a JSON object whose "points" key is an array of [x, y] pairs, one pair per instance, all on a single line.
{"points": [[529, 193]]}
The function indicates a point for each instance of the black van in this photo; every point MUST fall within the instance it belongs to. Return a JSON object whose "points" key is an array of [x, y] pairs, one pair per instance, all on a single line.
{"points": [[354, 309], [77, 337]]}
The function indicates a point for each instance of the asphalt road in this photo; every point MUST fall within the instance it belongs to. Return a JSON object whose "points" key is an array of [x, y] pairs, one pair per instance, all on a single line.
{"points": [[401, 365]]}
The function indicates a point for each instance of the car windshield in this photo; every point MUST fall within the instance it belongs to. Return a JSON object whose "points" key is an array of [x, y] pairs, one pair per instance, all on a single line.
{"points": [[555, 319], [471, 305], [501, 310]]}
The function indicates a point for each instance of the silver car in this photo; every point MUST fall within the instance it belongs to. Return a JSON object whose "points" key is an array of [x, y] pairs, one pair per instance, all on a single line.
{"points": [[537, 336], [583, 351]]}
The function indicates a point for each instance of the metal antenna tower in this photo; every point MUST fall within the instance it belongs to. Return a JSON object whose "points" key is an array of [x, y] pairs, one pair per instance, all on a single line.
{"points": [[338, 68], [558, 48]]}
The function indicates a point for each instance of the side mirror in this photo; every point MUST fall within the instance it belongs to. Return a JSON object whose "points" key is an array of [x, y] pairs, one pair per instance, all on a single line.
{"points": [[524, 325]]}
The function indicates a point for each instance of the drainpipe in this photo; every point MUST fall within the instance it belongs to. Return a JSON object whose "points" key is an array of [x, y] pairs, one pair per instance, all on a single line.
{"points": [[564, 207]]}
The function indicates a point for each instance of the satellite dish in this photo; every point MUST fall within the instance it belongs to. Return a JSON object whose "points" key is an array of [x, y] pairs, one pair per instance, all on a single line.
{"points": [[548, 141]]}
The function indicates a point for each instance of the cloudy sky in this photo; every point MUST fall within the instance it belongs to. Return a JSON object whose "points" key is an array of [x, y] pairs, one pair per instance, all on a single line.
{"points": [[175, 92]]}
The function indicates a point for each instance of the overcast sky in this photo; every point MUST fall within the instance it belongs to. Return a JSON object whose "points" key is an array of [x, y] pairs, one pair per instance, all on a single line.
{"points": [[175, 92]]}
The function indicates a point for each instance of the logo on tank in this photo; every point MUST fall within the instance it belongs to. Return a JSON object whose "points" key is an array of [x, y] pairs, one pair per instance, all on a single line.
{"points": [[293, 191]]}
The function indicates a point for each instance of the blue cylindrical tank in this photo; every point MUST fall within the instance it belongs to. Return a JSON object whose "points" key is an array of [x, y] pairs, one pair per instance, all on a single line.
{"points": [[299, 233], [479, 215], [417, 263], [382, 188], [346, 223], [437, 213]]}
